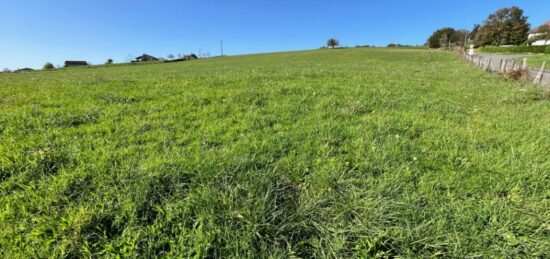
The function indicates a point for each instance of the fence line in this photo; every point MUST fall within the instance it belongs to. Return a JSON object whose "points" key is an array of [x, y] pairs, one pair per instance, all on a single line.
{"points": [[503, 65]]}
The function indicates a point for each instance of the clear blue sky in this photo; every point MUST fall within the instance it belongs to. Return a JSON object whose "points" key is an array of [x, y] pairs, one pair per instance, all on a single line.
{"points": [[33, 32]]}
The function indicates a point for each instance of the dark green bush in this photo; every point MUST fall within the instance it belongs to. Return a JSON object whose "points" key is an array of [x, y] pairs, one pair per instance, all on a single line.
{"points": [[547, 51], [48, 66], [514, 49]]}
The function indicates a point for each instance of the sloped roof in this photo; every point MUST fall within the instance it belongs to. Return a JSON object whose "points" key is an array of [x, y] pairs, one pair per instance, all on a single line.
{"points": [[145, 56]]}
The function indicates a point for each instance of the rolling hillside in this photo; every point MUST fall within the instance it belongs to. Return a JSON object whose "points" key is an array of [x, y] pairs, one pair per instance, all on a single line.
{"points": [[324, 153]]}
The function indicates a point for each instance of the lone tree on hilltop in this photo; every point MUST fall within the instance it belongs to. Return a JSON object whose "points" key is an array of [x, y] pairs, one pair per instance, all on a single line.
{"points": [[109, 61], [170, 56], [332, 42], [48, 66]]}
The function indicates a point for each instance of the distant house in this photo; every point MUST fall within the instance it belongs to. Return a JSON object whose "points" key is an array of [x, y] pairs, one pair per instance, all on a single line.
{"points": [[190, 57], [71, 63], [537, 35], [145, 58]]}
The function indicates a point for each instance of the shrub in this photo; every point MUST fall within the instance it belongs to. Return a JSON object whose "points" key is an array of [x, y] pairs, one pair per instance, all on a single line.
{"points": [[547, 50], [48, 66], [514, 49]]}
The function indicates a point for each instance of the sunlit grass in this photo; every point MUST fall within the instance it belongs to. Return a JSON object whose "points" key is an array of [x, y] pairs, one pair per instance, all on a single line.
{"points": [[536, 61], [327, 153]]}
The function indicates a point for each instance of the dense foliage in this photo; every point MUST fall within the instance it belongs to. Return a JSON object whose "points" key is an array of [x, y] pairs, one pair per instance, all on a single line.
{"points": [[507, 26], [356, 153], [446, 38], [48, 66]]}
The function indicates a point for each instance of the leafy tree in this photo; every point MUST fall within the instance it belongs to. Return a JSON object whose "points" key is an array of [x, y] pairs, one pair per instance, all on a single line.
{"points": [[544, 29], [48, 66], [332, 42], [473, 34], [109, 61], [441, 38], [507, 26], [6, 70], [460, 37], [170, 56]]}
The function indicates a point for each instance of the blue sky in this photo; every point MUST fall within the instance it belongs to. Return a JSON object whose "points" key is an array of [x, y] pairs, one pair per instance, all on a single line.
{"points": [[37, 31]]}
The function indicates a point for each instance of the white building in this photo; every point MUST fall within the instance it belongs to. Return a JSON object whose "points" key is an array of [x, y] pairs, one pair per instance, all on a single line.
{"points": [[536, 33]]}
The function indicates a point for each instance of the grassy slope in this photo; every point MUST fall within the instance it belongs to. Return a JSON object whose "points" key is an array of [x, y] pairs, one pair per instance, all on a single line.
{"points": [[536, 61], [356, 152]]}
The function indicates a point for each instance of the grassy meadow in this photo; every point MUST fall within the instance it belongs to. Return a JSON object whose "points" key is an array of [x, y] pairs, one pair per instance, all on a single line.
{"points": [[351, 153]]}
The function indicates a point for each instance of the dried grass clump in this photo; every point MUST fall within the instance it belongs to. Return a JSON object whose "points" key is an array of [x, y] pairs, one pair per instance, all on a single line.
{"points": [[517, 74]]}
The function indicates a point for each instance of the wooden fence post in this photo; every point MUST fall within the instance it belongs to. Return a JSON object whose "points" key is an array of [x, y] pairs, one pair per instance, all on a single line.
{"points": [[503, 68], [488, 66], [506, 70], [500, 65], [538, 78], [524, 65]]}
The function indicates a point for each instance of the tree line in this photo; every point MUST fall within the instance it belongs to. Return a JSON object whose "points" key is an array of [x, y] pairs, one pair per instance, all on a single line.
{"points": [[506, 26]]}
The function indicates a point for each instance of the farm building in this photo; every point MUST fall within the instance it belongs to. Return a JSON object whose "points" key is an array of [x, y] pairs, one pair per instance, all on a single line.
{"points": [[539, 36], [190, 57], [72, 63], [145, 57]]}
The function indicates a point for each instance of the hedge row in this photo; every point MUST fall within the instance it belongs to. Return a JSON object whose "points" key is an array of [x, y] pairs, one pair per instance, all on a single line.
{"points": [[516, 49]]}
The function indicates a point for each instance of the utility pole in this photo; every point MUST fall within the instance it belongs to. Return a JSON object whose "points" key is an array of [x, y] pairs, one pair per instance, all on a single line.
{"points": [[221, 46]]}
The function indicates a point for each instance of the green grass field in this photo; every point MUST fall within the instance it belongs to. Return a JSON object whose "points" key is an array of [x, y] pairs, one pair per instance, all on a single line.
{"points": [[536, 61], [325, 153]]}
